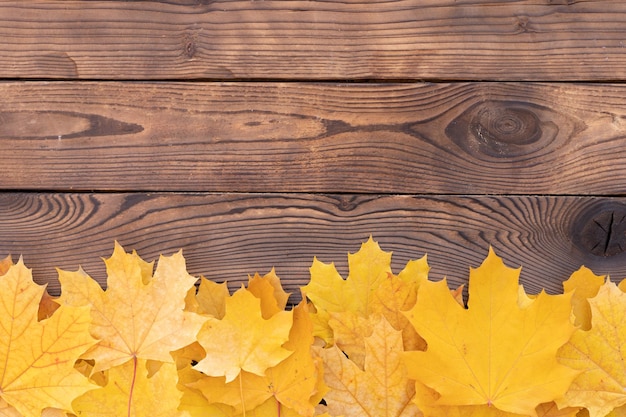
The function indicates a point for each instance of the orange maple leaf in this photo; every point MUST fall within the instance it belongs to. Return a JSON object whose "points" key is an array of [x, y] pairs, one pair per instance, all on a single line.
{"points": [[210, 298], [37, 357], [496, 352]]}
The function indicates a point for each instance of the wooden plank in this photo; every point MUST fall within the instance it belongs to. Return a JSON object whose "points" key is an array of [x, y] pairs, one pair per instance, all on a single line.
{"points": [[236, 39], [413, 138], [228, 236]]}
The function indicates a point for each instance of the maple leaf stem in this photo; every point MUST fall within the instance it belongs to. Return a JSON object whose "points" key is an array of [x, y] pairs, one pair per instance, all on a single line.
{"points": [[243, 404], [132, 385], [278, 407]]}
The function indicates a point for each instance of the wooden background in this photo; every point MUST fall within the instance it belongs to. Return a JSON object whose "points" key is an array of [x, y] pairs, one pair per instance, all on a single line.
{"points": [[254, 134]]}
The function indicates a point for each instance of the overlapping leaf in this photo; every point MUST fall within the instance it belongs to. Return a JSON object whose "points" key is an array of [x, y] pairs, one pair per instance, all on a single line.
{"points": [[37, 357], [132, 391], [343, 307], [243, 339], [600, 355], [494, 353], [381, 389], [139, 315]]}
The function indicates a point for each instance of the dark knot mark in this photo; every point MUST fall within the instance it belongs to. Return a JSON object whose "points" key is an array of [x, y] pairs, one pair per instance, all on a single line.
{"points": [[509, 128], [61, 125], [506, 125], [189, 45], [601, 229]]}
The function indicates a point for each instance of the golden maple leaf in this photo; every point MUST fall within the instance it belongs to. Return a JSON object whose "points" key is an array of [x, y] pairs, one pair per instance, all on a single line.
{"points": [[269, 290], [381, 389], [292, 382], [5, 264], [342, 307], [496, 352], [37, 357], [243, 339], [585, 284], [210, 298], [139, 315], [600, 354], [367, 268], [157, 394], [427, 399]]}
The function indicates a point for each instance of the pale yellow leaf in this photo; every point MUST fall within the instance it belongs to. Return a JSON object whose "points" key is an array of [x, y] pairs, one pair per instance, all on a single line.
{"points": [[138, 316], [243, 340], [599, 354], [381, 389]]}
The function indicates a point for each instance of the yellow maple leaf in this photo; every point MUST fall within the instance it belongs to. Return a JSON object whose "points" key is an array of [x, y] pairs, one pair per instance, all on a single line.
{"points": [[243, 340], [158, 394], [269, 289], [381, 389], [495, 352], [139, 315], [192, 400], [371, 288], [599, 353], [5, 264], [210, 298], [37, 357], [398, 294], [329, 292], [427, 399], [585, 284], [292, 382]]}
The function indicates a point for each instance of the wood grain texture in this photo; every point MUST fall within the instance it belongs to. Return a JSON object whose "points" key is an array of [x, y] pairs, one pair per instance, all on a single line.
{"points": [[413, 138], [228, 236], [543, 40]]}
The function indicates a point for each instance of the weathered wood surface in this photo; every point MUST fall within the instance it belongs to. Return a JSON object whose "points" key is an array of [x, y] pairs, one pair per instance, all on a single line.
{"points": [[554, 40], [458, 138], [228, 236], [240, 132]]}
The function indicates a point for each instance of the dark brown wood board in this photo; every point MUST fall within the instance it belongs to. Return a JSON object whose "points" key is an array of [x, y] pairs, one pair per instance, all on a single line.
{"points": [[545, 40], [410, 138], [229, 236], [254, 134]]}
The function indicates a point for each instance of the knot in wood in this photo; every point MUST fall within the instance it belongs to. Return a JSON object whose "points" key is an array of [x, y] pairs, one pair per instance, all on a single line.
{"points": [[601, 229], [497, 124], [506, 129]]}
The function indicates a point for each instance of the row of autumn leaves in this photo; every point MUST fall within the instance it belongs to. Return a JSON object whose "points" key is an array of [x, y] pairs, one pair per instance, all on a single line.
{"points": [[374, 344]]}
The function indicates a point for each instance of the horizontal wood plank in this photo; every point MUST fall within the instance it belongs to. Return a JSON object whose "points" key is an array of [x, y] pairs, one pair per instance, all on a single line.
{"points": [[228, 236], [322, 40], [413, 138]]}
